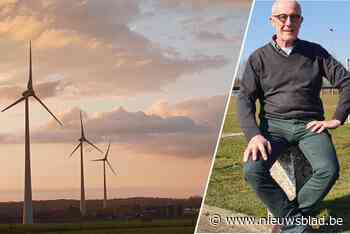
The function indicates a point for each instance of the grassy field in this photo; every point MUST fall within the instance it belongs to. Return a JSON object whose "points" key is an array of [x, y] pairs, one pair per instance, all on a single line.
{"points": [[227, 188], [185, 226]]}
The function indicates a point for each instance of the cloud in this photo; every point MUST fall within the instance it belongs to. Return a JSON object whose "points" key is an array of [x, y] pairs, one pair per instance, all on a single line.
{"points": [[225, 26], [175, 145], [141, 132], [120, 122], [10, 92], [50, 88], [168, 130], [90, 44], [7, 138], [7, 6], [5, 3], [205, 4], [101, 19], [43, 90], [21, 27], [217, 37], [57, 39], [203, 110]]}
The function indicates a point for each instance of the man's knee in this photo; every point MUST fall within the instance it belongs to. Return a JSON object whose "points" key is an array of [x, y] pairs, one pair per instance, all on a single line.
{"points": [[328, 173], [255, 171]]}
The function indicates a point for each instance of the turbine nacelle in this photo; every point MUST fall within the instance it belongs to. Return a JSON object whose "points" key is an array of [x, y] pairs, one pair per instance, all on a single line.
{"points": [[81, 139], [28, 93], [105, 159]]}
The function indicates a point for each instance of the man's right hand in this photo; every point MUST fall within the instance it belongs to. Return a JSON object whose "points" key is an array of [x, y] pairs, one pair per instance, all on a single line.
{"points": [[257, 147]]}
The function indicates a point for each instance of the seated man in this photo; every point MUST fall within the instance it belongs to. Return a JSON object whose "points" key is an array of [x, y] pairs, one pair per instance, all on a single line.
{"points": [[286, 76]]}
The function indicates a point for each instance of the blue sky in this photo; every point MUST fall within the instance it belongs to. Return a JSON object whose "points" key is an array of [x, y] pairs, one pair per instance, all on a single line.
{"points": [[319, 17]]}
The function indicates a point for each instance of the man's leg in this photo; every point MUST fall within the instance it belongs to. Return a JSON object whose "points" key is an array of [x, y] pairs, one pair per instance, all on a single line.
{"points": [[257, 174], [319, 151]]}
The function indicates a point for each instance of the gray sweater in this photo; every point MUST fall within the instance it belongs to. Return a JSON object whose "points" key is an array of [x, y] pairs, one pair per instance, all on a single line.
{"points": [[288, 87]]}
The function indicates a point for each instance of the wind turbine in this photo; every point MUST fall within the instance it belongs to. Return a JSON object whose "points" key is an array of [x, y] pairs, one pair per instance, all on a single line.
{"points": [[29, 92], [105, 160], [82, 139]]}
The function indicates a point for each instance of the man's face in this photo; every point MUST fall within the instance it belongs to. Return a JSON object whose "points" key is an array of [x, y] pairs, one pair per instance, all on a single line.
{"points": [[286, 20]]}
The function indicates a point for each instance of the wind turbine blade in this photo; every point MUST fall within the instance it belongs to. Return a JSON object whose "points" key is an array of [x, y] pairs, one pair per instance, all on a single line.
{"points": [[110, 166], [96, 160], [75, 149], [30, 81], [47, 109], [109, 145], [16, 102], [93, 145], [81, 124]]}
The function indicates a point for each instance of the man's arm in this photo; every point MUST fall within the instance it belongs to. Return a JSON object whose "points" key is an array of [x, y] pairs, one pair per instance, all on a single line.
{"points": [[249, 93], [339, 77]]}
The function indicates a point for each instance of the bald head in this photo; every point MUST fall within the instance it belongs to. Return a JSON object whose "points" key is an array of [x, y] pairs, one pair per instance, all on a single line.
{"points": [[279, 4], [286, 19]]}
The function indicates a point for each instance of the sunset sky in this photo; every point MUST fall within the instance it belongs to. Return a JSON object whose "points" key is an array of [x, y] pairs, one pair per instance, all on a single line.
{"points": [[151, 76]]}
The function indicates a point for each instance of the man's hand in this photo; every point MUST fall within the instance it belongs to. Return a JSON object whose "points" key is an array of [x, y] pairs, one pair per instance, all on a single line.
{"points": [[257, 146], [320, 126]]}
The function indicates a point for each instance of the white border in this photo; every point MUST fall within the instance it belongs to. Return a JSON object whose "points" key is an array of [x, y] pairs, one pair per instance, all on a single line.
{"points": [[226, 108]]}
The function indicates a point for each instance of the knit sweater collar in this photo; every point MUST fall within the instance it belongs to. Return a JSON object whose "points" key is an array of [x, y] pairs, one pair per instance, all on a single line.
{"points": [[279, 49]]}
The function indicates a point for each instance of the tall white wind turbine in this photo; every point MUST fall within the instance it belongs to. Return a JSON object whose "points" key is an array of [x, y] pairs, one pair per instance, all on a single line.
{"points": [[82, 139], [105, 160], [29, 92]]}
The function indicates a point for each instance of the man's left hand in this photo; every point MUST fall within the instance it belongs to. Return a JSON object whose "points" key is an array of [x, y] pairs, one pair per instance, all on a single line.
{"points": [[320, 126]]}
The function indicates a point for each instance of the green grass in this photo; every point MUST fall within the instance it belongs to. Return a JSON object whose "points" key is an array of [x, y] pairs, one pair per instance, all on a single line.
{"points": [[231, 120], [105, 227], [227, 188]]}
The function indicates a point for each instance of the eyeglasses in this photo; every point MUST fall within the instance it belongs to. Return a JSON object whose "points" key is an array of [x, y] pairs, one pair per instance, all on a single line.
{"points": [[293, 18]]}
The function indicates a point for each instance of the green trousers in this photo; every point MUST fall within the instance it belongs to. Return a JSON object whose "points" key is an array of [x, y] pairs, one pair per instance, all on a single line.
{"points": [[318, 150]]}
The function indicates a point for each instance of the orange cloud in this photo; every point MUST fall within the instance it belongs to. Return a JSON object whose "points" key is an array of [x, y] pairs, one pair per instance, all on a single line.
{"points": [[4, 3], [205, 4], [57, 39], [204, 110], [138, 131], [169, 130], [7, 6], [22, 27], [90, 44]]}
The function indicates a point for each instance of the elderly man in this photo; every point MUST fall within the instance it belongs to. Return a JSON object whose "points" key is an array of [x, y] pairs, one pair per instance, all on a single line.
{"points": [[285, 76]]}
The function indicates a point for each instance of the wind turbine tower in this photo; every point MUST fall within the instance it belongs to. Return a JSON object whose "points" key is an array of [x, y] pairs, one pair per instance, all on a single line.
{"points": [[29, 92], [105, 160], [82, 139]]}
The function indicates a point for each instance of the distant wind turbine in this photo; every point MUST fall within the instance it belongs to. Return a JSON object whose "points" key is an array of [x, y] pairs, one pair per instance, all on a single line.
{"points": [[29, 92], [82, 139], [105, 160]]}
